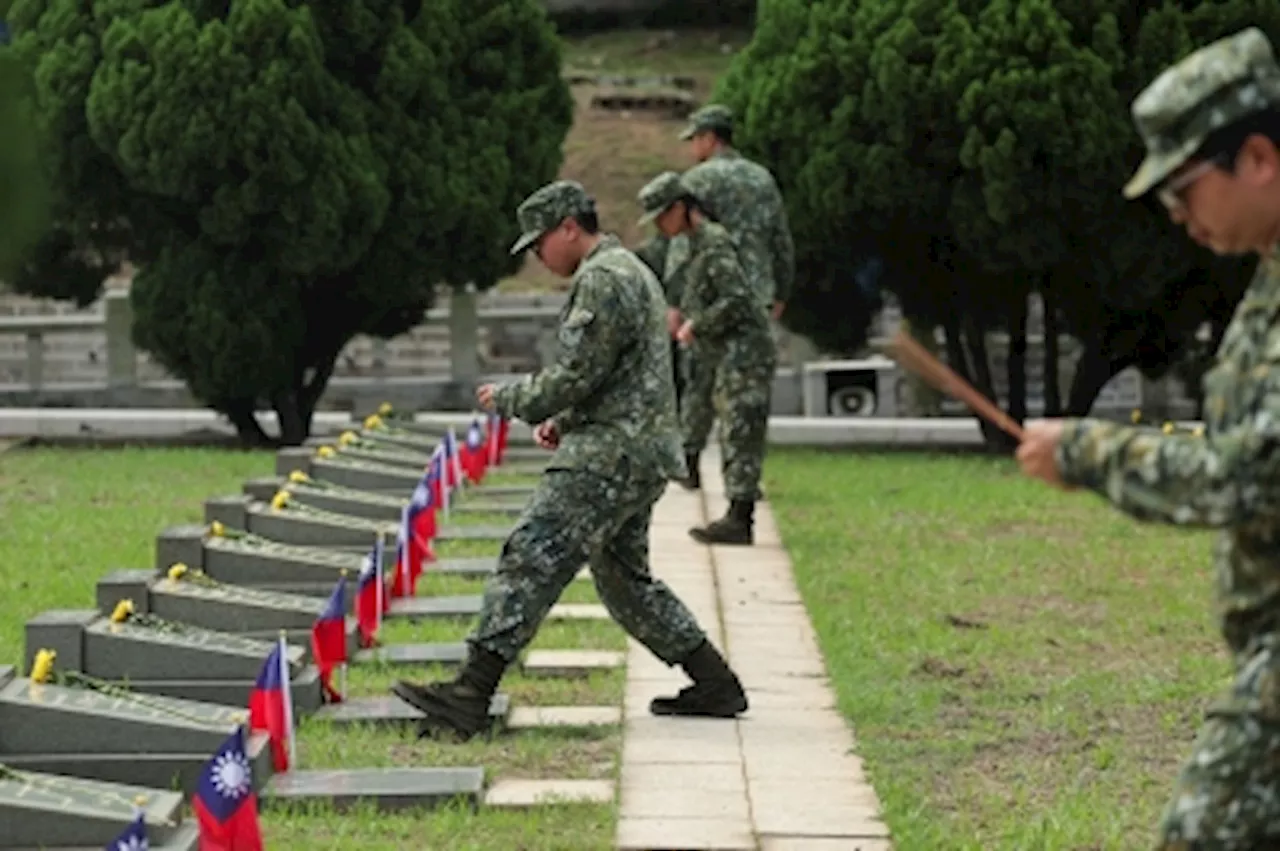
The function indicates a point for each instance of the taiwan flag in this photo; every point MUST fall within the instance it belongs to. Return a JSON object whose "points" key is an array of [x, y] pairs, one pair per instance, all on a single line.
{"points": [[225, 804], [491, 438], [474, 461], [417, 529], [504, 428], [329, 640], [452, 463], [436, 479], [270, 706], [371, 596]]}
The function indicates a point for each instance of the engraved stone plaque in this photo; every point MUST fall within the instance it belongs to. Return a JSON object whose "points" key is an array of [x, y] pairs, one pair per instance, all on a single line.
{"points": [[389, 789], [391, 711], [51, 811], [413, 654], [128, 651]]}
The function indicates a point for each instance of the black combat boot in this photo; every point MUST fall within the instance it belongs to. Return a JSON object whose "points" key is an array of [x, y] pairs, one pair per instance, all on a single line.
{"points": [[693, 481], [715, 693], [460, 707], [736, 527]]}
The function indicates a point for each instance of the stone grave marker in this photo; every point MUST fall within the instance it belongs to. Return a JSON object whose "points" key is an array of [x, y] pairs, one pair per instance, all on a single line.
{"points": [[39, 810], [388, 789], [195, 599], [371, 505], [391, 711], [427, 444], [364, 475], [367, 448], [117, 735], [242, 559], [304, 526], [165, 658]]}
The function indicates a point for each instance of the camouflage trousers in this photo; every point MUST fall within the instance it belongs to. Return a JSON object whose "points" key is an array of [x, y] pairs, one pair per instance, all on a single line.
{"points": [[1227, 796], [741, 390], [697, 403], [575, 518]]}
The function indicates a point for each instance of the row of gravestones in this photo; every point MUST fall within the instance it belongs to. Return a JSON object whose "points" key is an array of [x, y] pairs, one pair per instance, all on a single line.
{"points": [[139, 703]]}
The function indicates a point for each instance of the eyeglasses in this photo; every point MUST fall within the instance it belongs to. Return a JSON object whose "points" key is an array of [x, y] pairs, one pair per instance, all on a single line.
{"points": [[1170, 193]]}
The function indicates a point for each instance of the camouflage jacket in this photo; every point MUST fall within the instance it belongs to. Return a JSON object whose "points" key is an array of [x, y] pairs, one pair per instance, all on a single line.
{"points": [[1228, 479], [745, 199], [611, 390], [727, 318]]}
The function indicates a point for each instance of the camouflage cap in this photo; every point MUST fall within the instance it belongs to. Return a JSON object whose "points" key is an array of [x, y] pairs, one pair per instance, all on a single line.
{"points": [[547, 208], [659, 194], [1212, 88], [713, 116]]}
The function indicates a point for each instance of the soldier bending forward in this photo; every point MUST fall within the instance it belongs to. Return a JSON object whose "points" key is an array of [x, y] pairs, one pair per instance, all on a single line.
{"points": [[607, 407]]}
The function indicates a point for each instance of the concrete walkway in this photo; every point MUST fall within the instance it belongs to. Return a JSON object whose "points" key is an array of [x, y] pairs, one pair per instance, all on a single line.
{"points": [[783, 777]]}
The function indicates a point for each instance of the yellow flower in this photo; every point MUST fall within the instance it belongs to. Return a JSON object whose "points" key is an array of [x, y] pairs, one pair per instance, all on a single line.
{"points": [[325, 452], [178, 571], [42, 667], [372, 422], [385, 409], [123, 610], [217, 529], [347, 438], [1167, 428], [298, 477], [1198, 431], [280, 500], [1136, 416]]}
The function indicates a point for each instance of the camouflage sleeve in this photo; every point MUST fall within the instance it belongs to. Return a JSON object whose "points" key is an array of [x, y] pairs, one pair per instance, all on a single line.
{"points": [[783, 251], [591, 337], [724, 291], [1185, 480]]}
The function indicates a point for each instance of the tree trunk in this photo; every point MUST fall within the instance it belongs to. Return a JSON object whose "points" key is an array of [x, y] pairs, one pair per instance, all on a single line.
{"points": [[247, 427], [976, 343], [1093, 371], [1017, 364], [955, 349], [297, 409], [1052, 386]]}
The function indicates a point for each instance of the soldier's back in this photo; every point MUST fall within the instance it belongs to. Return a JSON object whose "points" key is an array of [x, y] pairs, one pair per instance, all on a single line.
{"points": [[744, 198]]}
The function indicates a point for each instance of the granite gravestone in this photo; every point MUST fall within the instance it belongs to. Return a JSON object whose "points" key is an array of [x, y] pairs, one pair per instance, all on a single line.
{"points": [[39, 810], [119, 735], [371, 476], [242, 559], [166, 658], [367, 504], [195, 599], [303, 526]]}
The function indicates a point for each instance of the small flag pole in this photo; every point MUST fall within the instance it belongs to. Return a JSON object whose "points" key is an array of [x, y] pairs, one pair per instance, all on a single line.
{"points": [[288, 701], [342, 669]]}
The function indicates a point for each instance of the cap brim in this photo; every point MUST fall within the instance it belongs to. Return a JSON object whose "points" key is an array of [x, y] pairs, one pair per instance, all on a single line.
{"points": [[648, 217], [526, 241], [688, 133], [1157, 168]]}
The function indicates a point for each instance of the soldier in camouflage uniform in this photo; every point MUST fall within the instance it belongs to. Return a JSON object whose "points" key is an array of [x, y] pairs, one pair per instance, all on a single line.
{"points": [[1211, 124], [723, 317], [607, 408], [743, 197]]}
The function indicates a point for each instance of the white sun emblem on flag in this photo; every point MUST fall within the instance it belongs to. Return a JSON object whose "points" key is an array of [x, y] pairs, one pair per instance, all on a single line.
{"points": [[231, 775], [133, 843]]}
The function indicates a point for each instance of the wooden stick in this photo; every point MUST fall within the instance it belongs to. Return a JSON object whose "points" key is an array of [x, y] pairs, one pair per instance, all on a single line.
{"points": [[915, 358]]}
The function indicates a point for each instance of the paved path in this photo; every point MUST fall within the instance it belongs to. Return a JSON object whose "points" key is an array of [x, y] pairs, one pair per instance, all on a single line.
{"points": [[781, 778]]}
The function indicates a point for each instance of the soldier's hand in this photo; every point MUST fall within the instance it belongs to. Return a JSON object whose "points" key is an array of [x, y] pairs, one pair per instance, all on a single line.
{"points": [[685, 334], [778, 307], [673, 320], [547, 435], [484, 395], [1036, 452]]}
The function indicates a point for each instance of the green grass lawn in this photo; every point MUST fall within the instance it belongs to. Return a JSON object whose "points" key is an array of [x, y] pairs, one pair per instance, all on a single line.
{"points": [[72, 515], [1023, 669]]}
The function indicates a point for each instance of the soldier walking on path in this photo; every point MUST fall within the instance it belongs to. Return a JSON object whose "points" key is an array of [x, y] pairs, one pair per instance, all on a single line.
{"points": [[743, 197], [722, 315], [1211, 124], [607, 408]]}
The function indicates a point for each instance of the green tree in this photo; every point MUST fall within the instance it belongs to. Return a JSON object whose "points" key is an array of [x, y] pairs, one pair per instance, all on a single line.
{"points": [[979, 148], [286, 176]]}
